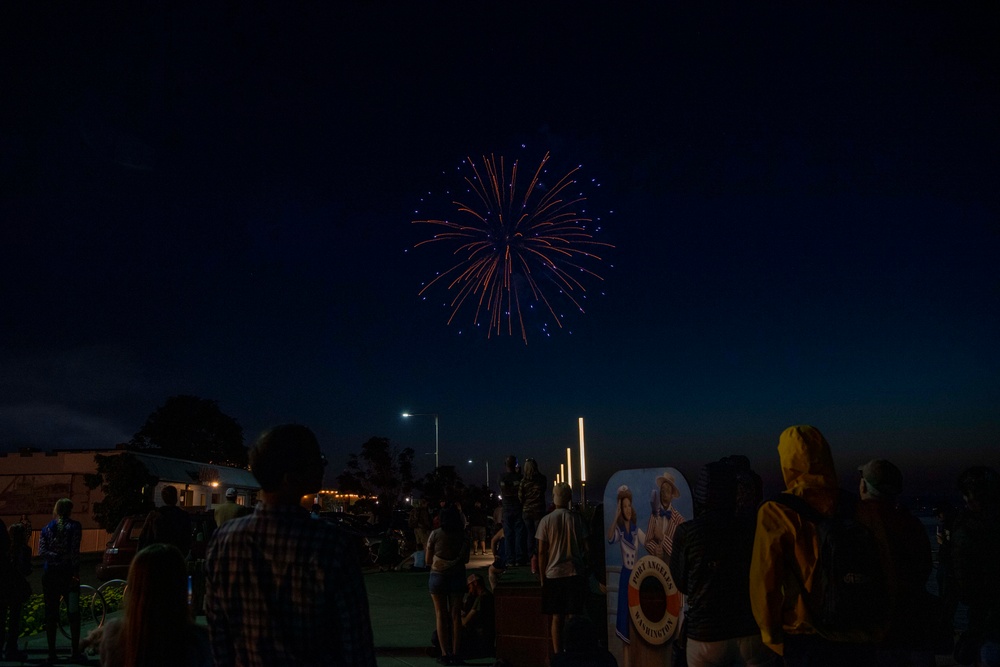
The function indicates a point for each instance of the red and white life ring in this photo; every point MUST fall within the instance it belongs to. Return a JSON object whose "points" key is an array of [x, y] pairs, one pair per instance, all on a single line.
{"points": [[662, 630]]}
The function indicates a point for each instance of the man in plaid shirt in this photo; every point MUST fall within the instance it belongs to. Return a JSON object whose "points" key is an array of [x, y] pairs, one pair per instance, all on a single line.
{"points": [[284, 588]]}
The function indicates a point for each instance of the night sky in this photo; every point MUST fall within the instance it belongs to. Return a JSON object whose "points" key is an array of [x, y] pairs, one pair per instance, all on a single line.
{"points": [[218, 201]]}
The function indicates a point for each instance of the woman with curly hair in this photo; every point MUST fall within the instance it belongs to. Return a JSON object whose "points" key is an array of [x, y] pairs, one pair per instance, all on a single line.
{"points": [[532, 495]]}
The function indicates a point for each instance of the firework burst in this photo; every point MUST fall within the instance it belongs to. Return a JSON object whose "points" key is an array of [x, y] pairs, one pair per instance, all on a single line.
{"points": [[517, 246]]}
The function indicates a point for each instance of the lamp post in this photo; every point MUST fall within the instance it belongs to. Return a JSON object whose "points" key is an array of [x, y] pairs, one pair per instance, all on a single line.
{"points": [[583, 468], [429, 414], [569, 472]]}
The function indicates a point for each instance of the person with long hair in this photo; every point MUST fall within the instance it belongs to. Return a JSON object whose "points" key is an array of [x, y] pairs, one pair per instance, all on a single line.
{"points": [[447, 552], [157, 627], [532, 495], [59, 547]]}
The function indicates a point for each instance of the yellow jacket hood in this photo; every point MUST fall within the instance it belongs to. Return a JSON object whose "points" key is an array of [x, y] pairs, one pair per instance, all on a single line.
{"points": [[806, 462]]}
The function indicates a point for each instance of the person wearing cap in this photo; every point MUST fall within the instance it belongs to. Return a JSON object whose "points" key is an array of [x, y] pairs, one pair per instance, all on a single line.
{"points": [[663, 518], [282, 587], [478, 619], [230, 509], [906, 558]]}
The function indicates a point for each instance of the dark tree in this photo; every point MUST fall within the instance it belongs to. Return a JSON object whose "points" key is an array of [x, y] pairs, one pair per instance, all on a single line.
{"points": [[194, 429], [443, 483], [380, 470], [127, 485]]}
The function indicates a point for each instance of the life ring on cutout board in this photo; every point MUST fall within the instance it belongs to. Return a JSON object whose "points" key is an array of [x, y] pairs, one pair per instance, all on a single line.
{"points": [[658, 631]]}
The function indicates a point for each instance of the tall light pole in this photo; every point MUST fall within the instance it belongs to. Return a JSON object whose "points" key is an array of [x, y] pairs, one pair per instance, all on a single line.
{"points": [[429, 414], [569, 467], [583, 468]]}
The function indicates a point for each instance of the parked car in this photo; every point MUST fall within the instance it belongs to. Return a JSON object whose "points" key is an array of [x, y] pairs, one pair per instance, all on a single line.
{"points": [[124, 543], [121, 548]]}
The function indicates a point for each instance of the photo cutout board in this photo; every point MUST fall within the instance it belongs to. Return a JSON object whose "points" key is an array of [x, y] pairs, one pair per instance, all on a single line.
{"points": [[642, 509]]}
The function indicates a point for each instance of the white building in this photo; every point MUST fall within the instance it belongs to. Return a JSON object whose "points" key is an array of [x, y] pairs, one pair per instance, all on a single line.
{"points": [[32, 481]]}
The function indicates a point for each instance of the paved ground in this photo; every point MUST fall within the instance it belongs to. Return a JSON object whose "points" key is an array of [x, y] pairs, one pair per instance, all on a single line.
{"points": [[401, 609], [402, 619]]}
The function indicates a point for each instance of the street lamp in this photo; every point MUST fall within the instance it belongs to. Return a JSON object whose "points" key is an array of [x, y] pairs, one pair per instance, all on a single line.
{"points": [[429, 414], [583, 468]]}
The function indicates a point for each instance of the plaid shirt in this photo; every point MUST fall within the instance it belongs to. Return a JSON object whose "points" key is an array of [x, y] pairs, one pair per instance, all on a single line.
{"points": [[286, 589]]}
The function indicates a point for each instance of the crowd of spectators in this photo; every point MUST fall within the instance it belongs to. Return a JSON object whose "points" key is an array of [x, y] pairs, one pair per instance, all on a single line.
{"points": [[814, 576]]}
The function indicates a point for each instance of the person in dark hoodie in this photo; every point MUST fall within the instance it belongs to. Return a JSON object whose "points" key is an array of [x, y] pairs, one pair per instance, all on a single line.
{"points": [[710, 564], [976, 539]]}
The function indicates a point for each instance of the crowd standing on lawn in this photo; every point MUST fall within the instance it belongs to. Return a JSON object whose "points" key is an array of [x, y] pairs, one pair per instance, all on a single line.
{"points": [[815, 576]]}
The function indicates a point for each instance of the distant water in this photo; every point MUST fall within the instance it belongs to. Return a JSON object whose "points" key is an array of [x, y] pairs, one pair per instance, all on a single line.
{"points": [[962, 614]]}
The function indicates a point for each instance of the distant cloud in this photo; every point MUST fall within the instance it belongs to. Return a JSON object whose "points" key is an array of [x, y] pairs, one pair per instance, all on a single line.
{"points": [[93, 375], [48, 426], [81, 397]]}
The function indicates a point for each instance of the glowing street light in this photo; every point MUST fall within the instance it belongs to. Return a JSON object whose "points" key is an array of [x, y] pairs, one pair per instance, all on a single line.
{"points": [[429, 414], [583, 468], [569, 466]]}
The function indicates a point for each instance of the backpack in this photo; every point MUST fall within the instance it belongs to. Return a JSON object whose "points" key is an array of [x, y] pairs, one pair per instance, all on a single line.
{"points": [[853, 586]]}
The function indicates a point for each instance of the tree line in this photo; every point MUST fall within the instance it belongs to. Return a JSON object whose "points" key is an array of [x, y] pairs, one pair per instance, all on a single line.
{"points": [[195, 429]]}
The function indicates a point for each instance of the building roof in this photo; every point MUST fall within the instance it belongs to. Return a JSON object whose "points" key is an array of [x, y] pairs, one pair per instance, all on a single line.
{"points": [[179, 471]]}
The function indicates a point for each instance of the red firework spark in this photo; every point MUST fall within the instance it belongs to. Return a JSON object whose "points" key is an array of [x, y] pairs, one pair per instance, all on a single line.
{"points": [[537, 235]]}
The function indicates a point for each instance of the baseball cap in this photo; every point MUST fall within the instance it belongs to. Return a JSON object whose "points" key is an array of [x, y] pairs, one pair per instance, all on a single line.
{"points": [[230, 493], [882, 476]]}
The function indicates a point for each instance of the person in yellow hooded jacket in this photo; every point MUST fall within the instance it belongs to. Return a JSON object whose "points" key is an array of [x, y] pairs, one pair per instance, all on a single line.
{"points": [[785, 556]]}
